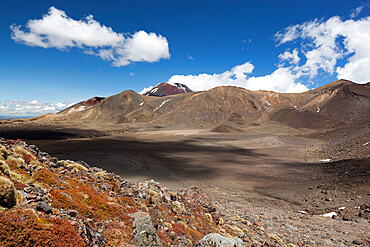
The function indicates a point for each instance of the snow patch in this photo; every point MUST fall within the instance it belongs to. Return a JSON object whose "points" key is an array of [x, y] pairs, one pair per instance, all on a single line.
{"points": [[342, 208], [318, 110], [366, 143], [147, 89], [164, 102], [330, 215], [268, 103], [325, 160], [154, 90], [71, 110], [81, 108], [142, 103], [302, 212], [181, 87]]}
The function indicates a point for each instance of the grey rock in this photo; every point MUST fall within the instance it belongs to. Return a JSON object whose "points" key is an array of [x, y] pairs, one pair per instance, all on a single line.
{"points": [[44, 207], [144, 233], [73, 213], [216, 240], [356, 242]]}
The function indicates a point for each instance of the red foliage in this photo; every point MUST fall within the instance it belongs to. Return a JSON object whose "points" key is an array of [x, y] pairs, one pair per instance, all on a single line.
{"points": [[18, 185], [27, 158], [165, 239], [178, 229], [22, 228], [47, 177]]}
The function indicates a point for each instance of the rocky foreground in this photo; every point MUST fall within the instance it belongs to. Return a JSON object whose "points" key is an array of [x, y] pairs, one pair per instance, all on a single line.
{"points": [[45, 201]]}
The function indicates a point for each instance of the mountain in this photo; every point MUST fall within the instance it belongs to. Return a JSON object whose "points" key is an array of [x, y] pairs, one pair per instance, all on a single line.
{"points": [[165, 89], [83, 105], [339, 103]]}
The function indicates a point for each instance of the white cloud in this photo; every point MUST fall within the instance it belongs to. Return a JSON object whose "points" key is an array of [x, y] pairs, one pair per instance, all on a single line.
{"points": [[131, 74], [57, 30], [281, 80], [324, 43], [32, 108], [321, 44], [356, 12], [291, 57], [190, 57]]}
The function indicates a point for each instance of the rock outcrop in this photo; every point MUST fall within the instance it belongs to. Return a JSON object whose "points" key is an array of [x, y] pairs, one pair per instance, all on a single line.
{"points": [[216, 240]]}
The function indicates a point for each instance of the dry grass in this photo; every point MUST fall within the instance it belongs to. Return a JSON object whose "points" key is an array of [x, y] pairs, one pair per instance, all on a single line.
{"points": [[7, 193]]}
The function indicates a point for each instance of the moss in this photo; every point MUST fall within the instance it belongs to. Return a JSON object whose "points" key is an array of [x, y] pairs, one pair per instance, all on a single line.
{"points": [[86, 200], [17, 162], [47, 177], [179, 229], [165, 239], [23, 228], [194, 234]]}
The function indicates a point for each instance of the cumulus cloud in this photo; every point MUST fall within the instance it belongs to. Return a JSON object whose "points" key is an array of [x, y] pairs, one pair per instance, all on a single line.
{"points": [[32, 108], [281, 80], [334, 46], [57, 30], [324, 43]]}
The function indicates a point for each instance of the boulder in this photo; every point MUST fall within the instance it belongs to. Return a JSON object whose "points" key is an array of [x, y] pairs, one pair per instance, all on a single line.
{"points": [[44, 207], [144, 233], [216, 240]]}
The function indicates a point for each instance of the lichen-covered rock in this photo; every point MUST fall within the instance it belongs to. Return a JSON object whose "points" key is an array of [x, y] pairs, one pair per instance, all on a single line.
{"points": [[7, 193], [216, 240], [144, 233]]}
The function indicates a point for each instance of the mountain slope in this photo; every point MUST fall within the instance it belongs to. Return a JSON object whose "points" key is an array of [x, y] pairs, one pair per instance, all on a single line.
{"points": [[83, 105], [338, 103]]}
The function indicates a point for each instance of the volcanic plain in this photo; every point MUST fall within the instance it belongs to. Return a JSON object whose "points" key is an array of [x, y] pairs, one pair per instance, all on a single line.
{"points": [[307, 155]]}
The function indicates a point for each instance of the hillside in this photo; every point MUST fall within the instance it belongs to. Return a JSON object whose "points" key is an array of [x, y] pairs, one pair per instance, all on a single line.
{"points": [[83, 105], [45, 201], [338, 103]]}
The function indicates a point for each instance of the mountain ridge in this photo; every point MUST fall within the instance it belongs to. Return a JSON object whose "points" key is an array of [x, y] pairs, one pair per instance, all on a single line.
{"points": [[337, 103]]}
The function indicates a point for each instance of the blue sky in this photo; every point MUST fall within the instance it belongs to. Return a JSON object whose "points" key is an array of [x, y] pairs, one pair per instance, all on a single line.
{"points": [[209, 43]]}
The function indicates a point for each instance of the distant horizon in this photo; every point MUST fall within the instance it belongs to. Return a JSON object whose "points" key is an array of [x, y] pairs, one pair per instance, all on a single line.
{"points": [[60, 53], [12, 117]]}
